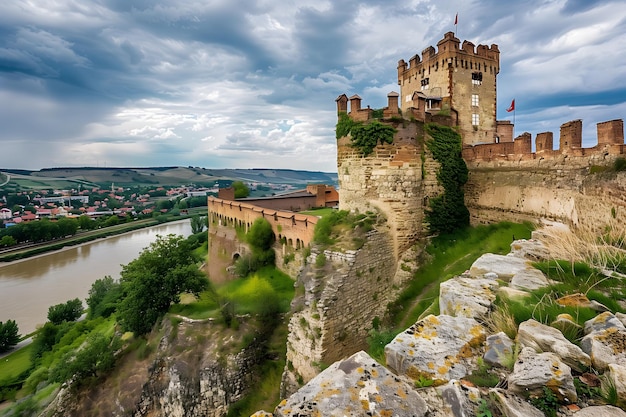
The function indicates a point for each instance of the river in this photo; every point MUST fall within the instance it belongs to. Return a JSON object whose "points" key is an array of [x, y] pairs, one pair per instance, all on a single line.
{"points": [[29, 286]]}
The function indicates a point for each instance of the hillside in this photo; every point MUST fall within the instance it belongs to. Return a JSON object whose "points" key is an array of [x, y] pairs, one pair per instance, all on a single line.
{"points": [[90, 176]]}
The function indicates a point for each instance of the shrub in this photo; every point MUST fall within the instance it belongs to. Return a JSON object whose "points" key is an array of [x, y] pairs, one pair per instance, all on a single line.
{"points": [[69, 311], [619, 164]]}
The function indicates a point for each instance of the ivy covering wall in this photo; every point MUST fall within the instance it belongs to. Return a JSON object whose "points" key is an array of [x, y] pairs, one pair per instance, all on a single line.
{"points": [[447, 212], [364, 136]]}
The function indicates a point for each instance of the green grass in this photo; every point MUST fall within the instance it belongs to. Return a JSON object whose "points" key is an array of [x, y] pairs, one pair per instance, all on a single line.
{"points": [[204, 307], [451, 255], [569, 278], [265, 394], [321, 212], [266, 288], [14, 364]]}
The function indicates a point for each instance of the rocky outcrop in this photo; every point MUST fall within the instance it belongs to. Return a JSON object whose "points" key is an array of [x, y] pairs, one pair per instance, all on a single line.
{"points": [[443, 351], [192, 368], [438, 347], [354, 386], [533, 371], [542, 338]]}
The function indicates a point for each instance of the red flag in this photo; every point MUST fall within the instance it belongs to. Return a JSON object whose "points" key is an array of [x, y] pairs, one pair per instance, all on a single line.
{"points": [[456, 19], [512, 107]]}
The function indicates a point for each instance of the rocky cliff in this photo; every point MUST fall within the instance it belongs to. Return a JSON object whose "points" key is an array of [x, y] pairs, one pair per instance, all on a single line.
{"points": [[189, 368]]}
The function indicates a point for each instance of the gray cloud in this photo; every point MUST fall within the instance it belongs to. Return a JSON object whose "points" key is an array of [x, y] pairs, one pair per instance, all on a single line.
{"points": [[233, 84]]}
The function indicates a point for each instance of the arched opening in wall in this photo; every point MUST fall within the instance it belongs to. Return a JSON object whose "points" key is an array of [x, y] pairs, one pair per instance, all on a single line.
{"points": [[298, 244], [425, 202], [290, 242], [236, 256]]}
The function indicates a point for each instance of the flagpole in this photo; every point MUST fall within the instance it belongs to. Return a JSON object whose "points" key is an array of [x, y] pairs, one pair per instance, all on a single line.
{"points": [[456, 22]]}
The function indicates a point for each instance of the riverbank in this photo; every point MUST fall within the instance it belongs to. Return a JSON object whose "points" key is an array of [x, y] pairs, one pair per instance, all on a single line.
{"points": [[89, 236]]}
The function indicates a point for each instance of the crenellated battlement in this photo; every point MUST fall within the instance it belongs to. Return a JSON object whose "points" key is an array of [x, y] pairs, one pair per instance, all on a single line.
{"points": [[610, 142]]}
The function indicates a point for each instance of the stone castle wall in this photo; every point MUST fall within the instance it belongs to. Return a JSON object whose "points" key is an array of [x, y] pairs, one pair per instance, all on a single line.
{"points": [[579, 191], [341, 300], [395, 179], [297, 229]]}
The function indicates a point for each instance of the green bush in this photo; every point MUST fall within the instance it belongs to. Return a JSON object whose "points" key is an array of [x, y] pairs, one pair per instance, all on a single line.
{"points": [[619, 164]]}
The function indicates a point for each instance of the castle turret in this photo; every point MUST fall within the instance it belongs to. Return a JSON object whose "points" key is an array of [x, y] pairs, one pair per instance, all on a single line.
{"points": [[463, 78]]}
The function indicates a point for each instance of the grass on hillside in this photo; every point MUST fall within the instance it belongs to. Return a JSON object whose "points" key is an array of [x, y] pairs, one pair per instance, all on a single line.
{"points": [[15, 364], [569, 278], [451, 255], [320, 212]]}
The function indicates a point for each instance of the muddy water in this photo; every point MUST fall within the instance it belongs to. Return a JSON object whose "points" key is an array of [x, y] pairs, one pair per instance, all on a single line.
{"points": [[28, 287]]}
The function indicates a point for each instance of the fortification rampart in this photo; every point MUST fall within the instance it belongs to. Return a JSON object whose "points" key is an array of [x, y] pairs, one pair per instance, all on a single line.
{"points": [[296, 229], [583, 191], [610, 142]]}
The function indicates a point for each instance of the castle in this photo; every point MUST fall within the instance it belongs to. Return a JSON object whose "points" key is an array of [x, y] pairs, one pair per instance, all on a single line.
{"points": [[455, 85]]}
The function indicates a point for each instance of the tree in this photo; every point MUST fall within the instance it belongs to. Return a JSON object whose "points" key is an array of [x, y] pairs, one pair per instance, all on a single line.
{"points": [[261, 236], [8, 335], [7, 241], [241, 189], [198, 223], [104, 296], [86, 223], [67, 227], [153, 281], [69, 311], [96, 357]]}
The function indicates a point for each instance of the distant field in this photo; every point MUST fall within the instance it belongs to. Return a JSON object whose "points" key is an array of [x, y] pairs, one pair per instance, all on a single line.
{"points": [[158, 176]]}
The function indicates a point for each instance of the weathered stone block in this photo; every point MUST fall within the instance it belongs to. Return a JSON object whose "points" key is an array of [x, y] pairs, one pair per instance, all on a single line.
{"points": [[438, 347]]}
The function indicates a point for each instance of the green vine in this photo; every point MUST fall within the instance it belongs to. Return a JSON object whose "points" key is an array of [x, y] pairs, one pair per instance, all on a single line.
{"points": [[447, 212], [344, 125], [364, 137]]}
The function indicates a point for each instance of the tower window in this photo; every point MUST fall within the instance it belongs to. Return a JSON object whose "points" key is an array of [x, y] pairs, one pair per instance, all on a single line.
{"points": [[424, 84], [477, 78], [475, 119], [475, 100]]}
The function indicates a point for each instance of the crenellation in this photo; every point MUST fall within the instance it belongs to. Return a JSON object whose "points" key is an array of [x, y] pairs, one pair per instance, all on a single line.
{"points": [[571, 135], [610, 141]]}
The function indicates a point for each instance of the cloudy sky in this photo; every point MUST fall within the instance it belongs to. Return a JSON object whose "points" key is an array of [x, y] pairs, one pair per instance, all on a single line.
{"points": [[243, 83]]}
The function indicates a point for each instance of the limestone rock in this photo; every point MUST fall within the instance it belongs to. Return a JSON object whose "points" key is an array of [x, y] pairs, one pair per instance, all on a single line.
{"points": [[621, 317], [600, 411], [457, 398], [605, 342], [532, 249], [617, 376], [603, 321], [357, 385], [512, 293], [505, 266], [544, 338], [529, 279], [513, 406], [262, 413], [533, 371], [438, 347], [499, 348], [467, 297]]}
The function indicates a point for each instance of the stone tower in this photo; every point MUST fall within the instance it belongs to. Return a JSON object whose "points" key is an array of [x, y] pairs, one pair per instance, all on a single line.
{"points": [[459, 81]]}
